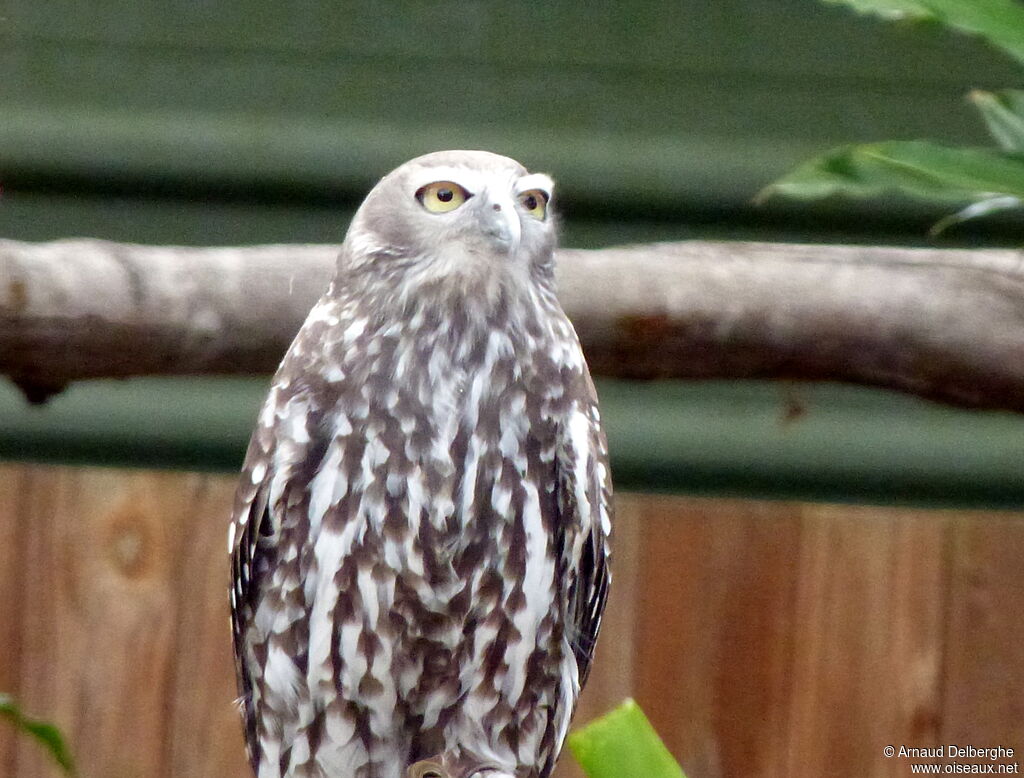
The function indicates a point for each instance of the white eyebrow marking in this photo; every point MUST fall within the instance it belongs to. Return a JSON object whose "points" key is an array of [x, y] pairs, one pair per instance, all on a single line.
{"points": [[535, 181]]}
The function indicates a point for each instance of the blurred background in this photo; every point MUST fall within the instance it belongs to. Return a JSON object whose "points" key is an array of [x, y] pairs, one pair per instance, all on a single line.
{"points": [[215, 122], [795, 589]]}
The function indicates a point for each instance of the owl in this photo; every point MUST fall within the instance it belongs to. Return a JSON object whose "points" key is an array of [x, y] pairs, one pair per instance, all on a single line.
{"points": [[419, 539]]}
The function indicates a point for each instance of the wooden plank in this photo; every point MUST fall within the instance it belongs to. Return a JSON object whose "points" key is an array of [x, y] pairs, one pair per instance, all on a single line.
{"points": [[782, 640], [95, 643], [868, 638], [714, 629], [116, 632], [204, 737], [984, 660], [14, 487]]}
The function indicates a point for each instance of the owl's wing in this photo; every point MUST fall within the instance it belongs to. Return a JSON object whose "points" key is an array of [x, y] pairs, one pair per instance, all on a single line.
{"points": [[249, 522], [585, 491]]}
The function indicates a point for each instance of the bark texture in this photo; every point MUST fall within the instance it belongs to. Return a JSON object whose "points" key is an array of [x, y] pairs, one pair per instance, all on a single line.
{"points": [[943, 324]]}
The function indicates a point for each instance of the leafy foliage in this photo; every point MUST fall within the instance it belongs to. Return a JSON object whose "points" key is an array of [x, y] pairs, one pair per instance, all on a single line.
{"points": [[47, 734], [620, 743], [990, 179], [915, 167], [1000, 22], [1003, 113]]}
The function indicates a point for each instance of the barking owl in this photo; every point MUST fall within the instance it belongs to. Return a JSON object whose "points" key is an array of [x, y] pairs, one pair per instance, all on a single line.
{"points": [[419, 541]]}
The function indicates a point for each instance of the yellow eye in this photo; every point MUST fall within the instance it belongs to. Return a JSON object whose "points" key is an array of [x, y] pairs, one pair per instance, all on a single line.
{"points": [[535, 202], [441, 196]]}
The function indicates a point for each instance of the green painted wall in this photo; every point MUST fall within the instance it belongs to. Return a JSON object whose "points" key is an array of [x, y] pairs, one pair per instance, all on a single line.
{"points": [[661, 119]]}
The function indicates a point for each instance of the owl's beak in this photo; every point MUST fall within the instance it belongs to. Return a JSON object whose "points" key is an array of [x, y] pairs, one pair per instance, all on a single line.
{"points": [[501, 224]]}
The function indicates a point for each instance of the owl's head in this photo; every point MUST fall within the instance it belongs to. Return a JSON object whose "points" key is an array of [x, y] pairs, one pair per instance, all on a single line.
{"points": [[454, 215]]}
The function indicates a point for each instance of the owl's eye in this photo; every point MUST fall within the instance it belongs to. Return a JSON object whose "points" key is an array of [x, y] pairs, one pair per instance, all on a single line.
{"points": [[535, 202], [442, 196]]}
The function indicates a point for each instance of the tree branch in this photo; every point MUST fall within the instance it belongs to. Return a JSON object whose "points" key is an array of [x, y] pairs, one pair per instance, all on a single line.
{"points": [[942, 324]]}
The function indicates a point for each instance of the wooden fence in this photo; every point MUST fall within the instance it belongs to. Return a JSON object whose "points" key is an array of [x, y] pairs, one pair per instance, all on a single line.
{"points": [[763, 639]]}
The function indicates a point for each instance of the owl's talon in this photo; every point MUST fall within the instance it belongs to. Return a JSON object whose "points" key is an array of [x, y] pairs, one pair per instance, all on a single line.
{"points": [[426, 768]]}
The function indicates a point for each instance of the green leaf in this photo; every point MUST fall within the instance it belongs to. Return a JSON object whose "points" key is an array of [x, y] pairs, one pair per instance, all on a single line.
{"points": [[975, 211], [47, 734], [888, 9], [915, 168], [623, 743], [1003, 112], [1000, 22]]}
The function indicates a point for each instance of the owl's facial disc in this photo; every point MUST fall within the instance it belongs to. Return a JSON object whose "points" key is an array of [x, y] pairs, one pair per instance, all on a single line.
{"points": [[481, 208], [488, 210], [469, 217]]}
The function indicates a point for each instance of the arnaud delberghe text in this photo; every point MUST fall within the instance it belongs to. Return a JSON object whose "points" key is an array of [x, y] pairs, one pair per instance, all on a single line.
{"points": [[953, 751]]}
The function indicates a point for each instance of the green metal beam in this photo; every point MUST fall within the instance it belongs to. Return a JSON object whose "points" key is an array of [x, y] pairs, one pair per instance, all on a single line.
{"points": [[660, 109], [819, 442]]}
